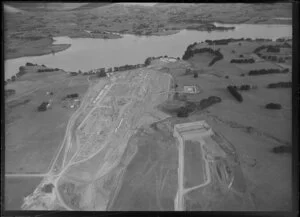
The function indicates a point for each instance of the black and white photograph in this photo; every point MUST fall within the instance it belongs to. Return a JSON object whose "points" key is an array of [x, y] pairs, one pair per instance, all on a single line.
{"points": [[147, 106]]}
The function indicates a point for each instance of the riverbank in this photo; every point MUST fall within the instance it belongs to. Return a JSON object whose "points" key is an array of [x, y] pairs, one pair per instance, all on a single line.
{"points": [[35, 48]]}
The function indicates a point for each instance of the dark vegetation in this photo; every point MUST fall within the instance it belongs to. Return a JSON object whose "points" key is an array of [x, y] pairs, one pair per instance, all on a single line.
{"points": [[244, 87], [30, 64], [48, 188], [210, 27], [43, 106], [273, 49], [127, 67], [190, 52], [9, 92], [267, 71], [282, 149], [47, 70], [275, 106], [73, 73], [14, 104], [205, 103], [101, 73], [223, 41], [235, 93], [242, 60], [280, 85], [193, 106], [71, 96], [195, 74]]}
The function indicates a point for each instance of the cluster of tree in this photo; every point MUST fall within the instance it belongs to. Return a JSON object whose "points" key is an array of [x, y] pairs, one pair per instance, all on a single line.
{"points": [[273, 49], [47, 188], [30, 64], [71, 96], [187, 109], [242, 87], [242, 60], [267, 71], [205, 103], [48, 70], [282, 149], [275, 58], [286, 45], [191, 52], [101, 73], [127, 67], [73, 73], [235, 93], [280, 85], [187, 54], [43, 106], [210, 27], [223, 41], [218, 56], [195, 74], [273, 106], [18, 103], [263, 39], [9, 92]]}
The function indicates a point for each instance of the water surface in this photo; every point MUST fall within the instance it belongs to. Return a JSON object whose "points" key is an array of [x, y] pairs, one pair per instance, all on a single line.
{"points": [[90, 53]]}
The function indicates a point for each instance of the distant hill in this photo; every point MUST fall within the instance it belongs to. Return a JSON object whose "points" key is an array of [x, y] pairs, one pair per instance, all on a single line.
{"points": [[53, 6], [88, 6], [10, 9]]}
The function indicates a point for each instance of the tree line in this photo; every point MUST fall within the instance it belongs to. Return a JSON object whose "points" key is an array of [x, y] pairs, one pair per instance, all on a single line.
{"points": [[190, 52], [47, 70], [280, 85], [267, 71], [250, 60], [235, 93]]}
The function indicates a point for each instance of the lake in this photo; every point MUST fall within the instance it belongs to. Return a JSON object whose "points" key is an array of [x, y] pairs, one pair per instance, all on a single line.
{"points": [[89, 53]]}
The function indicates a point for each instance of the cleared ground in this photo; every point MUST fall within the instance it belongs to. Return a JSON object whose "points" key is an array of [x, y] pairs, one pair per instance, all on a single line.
{"points": [[150, 179], [193, 164], [18, 188], [100, 140]]}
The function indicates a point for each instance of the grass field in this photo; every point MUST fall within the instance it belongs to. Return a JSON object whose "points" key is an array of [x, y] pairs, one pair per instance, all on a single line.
{"points": [[193, 164], [18, 188], [32, 137]]}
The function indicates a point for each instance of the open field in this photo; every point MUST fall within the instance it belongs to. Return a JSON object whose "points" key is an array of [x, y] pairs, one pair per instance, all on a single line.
{"points": [[29, 29], [32, 137], [194, 164], [118, 151], [251, 128], [18, 188]]}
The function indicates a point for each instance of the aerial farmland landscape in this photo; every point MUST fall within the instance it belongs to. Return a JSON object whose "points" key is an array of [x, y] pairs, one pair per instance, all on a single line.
{"points": [[147, 106]]}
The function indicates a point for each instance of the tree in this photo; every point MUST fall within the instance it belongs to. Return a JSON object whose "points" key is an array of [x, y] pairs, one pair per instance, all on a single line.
{"points": [[182, 113], [79, 72], [147, 61], [22, 69], [101, 74], [195, 74], [273, 106], [13, 78]]}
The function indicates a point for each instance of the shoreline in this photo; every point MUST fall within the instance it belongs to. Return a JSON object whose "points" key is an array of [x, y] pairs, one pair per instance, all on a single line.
{"points": [[48, 50], [106, 34]]}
